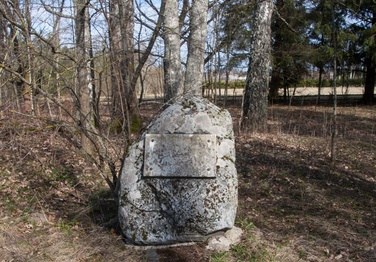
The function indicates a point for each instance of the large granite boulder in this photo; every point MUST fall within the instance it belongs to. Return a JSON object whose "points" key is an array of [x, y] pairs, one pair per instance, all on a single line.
{"points": [[179, 182]]}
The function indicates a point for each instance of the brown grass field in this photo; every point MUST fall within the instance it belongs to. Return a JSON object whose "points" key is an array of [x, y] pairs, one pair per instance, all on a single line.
{"points": [[294, 204]]}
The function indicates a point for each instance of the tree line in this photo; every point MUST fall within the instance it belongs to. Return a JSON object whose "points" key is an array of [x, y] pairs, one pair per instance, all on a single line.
{"points": [[64, 59]]}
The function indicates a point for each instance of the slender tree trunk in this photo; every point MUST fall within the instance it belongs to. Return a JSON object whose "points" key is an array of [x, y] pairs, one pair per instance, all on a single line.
{"points": [[173, 84], [285, 87], [321, 71], [184, 12], [93, 95], [334, 123], [119, 99], [218, 79], [17, 86], [275, 84], [124, 96], [30, 57], [143, 58], [56, 57], [228, 46], [55, 72], [369, 88], [3, 57], [142, 86], [131, 89], [22, 86], [255, 98], [196, 47], [83, 71]]}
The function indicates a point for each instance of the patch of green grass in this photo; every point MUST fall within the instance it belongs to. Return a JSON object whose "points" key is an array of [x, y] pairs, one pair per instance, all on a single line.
{"points": [[66, 227], [220, 257], [10, 204], [252, 249], [302, 254], [241, 252], [63, 174], [245, 223], [135, 125]]}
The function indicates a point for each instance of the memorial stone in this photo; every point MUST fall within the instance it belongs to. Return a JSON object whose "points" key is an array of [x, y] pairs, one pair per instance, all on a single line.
{"points": [[179, 181]]}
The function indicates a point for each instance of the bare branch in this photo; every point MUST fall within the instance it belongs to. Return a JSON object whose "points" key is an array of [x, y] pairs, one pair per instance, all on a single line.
{"points": [[150, 46], [60, 13]]}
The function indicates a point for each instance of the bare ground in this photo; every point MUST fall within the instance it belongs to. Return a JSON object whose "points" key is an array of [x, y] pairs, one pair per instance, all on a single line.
{"points": [[294, 204]]}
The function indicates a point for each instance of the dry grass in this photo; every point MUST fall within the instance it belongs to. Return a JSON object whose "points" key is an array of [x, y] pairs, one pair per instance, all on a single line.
{"points": [[294, 205], [311, 209]]}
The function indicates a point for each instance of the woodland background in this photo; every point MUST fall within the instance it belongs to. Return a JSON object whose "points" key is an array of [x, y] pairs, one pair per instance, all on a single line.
{"points": [[80, 79]]}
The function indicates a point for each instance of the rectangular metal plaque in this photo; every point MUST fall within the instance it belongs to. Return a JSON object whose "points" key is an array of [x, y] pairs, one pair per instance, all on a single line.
{"points": [[180, 155]]}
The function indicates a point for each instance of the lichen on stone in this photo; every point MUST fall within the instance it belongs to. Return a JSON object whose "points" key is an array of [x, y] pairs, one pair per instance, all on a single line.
{"points": [[164, 210]]}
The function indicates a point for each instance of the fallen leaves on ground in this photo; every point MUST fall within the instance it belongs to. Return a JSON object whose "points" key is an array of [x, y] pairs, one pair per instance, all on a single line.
{"points": [[294, 204]]}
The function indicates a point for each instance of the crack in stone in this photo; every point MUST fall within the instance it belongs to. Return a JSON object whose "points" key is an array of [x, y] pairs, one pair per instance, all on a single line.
{"points": [[165, 214]]}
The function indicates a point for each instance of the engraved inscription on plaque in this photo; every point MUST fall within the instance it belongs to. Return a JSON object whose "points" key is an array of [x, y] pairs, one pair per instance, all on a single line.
{"points": [[180, 155]]}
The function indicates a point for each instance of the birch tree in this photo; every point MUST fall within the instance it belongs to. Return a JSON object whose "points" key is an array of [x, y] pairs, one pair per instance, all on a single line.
{"points": [[173, 84], [255, 97], [172, 25], [196, 46], [84, 81]]}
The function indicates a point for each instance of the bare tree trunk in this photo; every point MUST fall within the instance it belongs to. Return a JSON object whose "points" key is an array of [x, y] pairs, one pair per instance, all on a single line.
{"points": [[255, 98], [18, 83], [142, 87], [173, 84], [321, 71], [184, 12], [3, 57], [228, 47], [196, 47], [334, 123], [12, 12], [124, 95], [128, 39], [30, 57], [84, 81], [218, 79], [143, 58], [93, 95], [119, 98], [369, 87], [56, 43]]}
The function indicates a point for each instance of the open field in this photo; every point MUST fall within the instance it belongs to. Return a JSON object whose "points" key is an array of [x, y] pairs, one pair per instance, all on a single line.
{"points": [[300, 91], [294, 204], [302, 96]]}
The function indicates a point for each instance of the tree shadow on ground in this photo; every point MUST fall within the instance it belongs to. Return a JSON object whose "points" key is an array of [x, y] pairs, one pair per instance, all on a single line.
{"points": [[294, 194], [287, 186]]}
